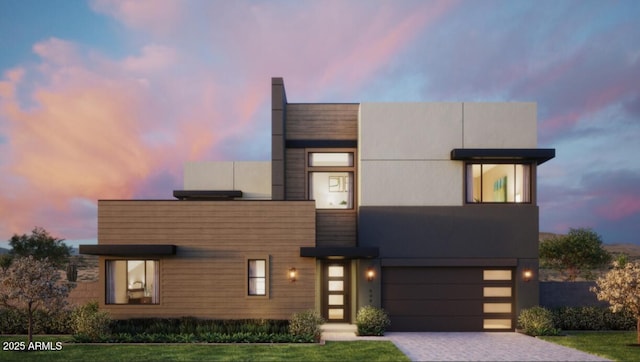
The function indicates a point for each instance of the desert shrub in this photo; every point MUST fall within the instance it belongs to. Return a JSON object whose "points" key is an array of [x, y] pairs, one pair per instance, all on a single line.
{"points": [[592, 318], [13, 321], [88, 321], [305, 326], [372, 321], [537, 321], [52, 322]]}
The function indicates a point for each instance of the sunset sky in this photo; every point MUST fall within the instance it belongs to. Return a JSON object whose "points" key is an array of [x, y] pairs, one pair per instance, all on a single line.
{"points": [[107, 99]]}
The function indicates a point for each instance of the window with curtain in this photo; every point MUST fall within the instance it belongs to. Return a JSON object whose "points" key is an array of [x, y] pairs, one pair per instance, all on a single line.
{"points": [[132, 282], [498, 183]]}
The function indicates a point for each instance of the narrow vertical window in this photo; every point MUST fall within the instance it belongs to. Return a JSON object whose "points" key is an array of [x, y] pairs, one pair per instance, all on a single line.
{"points": [[257, 277]]}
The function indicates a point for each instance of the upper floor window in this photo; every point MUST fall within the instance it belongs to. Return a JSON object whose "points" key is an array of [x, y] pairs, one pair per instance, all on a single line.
{"points": [[498, 183], [331, 179], [132, 282]]}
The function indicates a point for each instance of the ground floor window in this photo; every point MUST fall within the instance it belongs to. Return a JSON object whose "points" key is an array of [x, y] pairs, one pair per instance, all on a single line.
{"points": [[132, 282], [257, 272]]}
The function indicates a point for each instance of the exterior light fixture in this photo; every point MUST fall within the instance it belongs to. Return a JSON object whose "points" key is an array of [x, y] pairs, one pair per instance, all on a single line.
{"points": [[527, 274], [371, 273], [293, 274]]}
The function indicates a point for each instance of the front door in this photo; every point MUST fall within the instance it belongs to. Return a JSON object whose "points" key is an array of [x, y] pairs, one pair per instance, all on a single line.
{"points": [[335, 298]]}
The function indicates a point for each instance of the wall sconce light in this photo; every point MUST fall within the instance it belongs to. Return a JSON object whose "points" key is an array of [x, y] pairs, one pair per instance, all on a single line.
{"points": [[527, 274], [371, 273], [293, 274]]}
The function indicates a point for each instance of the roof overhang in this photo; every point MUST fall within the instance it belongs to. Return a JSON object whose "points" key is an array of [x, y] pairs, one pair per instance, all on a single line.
{"points": [[339, 253], [538, 155], [207, 195], [129, 249]]}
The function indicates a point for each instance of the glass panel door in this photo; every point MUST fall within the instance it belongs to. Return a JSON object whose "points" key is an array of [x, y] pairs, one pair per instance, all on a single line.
{"points": [[335, 299]]}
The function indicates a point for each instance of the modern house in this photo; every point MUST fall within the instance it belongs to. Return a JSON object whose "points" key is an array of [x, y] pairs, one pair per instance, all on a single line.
{"points": [[425, 209]]}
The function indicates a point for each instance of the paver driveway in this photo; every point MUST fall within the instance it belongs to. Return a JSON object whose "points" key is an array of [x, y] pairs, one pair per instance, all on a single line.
{"points": [[481, 346]]}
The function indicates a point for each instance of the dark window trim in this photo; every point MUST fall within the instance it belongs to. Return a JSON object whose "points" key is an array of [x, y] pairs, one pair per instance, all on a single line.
{"points": [[497, 162], [349, 169], [126, 281], [321, 143], [266, 277]]}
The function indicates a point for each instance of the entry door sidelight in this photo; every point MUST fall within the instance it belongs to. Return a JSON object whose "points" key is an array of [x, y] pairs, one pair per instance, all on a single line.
{"points": [[335, 304]]}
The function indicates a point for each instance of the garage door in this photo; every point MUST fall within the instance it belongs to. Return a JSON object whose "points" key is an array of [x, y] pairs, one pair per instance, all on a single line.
{"points": [[448, 299]]}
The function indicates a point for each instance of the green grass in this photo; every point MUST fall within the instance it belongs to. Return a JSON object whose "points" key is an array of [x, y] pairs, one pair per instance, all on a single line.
{"points": [[331, 351], [614, 345]]}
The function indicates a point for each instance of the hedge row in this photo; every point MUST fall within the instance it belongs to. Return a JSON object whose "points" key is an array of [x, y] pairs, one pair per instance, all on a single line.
{"points": [[592, 318]]}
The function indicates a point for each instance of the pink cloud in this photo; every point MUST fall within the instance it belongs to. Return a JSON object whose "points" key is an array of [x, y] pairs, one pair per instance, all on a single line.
{"points": [[156, 16], [621, 207], [93, 130]]}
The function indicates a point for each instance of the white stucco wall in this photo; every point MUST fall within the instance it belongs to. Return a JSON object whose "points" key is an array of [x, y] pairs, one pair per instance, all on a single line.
{"points": [[500, 125], [404, 149], [252, 178]]}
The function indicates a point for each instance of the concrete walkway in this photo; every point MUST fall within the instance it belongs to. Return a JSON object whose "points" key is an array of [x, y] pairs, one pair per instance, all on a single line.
{"points": [[466, 346]]}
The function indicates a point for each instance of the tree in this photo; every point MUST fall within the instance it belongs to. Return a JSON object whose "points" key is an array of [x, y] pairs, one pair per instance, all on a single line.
{"points": [[577, 252], [30, 284], [40, 245], [621, 288]]}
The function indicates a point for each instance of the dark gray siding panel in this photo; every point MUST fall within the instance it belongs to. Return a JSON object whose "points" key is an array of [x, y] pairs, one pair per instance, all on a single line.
{"points": [[322, 121], [295, 174], [335, 228], [474, 231]]}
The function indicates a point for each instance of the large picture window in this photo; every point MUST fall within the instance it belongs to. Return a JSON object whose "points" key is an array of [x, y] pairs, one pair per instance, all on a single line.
{"points": [[331, 182], [132, 282], [498, 183]]}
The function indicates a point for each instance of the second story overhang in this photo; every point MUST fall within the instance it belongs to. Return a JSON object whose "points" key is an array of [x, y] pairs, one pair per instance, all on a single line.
{"points": [[537, 155]]}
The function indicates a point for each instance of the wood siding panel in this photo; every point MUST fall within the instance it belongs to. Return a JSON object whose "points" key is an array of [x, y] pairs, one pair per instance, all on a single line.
{"points": [[322, 121], [336, 228], [207, 277], [295, 174]]}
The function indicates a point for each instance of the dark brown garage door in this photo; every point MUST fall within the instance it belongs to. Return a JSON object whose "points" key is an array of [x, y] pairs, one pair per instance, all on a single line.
{"points": [[448, 299]]}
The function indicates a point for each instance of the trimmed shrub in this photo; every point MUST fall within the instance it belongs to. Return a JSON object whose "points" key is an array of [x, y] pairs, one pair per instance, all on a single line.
{"points": [[88, 321], [305, 326], [537, 321], [372, 321], [592, 318]]}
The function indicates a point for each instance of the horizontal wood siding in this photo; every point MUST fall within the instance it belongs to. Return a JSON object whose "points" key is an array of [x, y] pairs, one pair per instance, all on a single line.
{"points": [[207, 276], [295, 174], [322, 121], [336, 228]]}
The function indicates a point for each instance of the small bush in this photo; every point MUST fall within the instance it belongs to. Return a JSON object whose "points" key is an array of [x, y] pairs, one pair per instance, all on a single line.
{"points": [[372, 321], [592, 318], [537, 321], [13, 321], [305, 326], [88, 321]]}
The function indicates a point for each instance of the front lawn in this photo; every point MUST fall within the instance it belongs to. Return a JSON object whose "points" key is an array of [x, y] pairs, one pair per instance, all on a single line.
{"points": [[613, 345], [331, 351]]}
